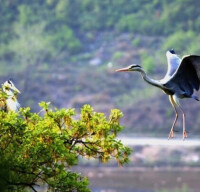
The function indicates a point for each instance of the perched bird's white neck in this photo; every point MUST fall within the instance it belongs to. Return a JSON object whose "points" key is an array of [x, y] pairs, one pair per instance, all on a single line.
{"points": [[9, 93], [11, 102]]}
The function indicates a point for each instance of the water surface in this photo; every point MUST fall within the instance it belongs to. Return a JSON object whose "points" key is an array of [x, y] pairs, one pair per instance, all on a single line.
{"points": [[106, 179]]}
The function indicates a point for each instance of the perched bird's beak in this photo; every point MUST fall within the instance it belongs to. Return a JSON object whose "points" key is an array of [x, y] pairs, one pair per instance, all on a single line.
{"points": [[15, 89], [123, 69]]}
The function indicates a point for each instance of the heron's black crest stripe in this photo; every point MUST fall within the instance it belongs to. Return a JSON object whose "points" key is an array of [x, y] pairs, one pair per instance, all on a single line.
{"points": [[133, 66], [172, 51]]}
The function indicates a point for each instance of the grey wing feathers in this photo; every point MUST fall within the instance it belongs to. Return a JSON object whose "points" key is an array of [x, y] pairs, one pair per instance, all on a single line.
{"points": [[195, 60], [187, 76]]}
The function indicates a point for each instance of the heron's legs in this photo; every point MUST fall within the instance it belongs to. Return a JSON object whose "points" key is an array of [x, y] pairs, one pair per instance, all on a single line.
{"points": [[184, 130], [175, 98], [171, 133]]}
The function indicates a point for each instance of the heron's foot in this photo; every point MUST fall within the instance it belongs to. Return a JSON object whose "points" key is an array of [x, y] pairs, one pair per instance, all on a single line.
{"points": [[171, 134], [185, 134]]}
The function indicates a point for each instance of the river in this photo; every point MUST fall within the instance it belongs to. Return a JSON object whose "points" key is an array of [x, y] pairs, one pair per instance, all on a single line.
{"points": [[104, 179], [151, 141], [148, 179]]}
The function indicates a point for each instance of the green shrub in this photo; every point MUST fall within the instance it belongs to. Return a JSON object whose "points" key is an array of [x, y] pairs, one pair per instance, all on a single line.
{"points": [[136, 42], [148, 62], [117, 55], [65, 38], [180, 41], [39, 150]]}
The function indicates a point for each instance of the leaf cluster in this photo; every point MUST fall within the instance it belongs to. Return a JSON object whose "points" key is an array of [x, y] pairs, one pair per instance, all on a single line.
{"points": [[39, 150]]}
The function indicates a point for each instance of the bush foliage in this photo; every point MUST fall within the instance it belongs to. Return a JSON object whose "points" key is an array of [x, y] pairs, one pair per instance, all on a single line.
{"points": [[39, 150]]}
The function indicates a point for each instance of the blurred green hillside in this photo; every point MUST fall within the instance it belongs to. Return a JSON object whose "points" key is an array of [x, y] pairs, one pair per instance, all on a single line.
{"points": [[66, 52]]}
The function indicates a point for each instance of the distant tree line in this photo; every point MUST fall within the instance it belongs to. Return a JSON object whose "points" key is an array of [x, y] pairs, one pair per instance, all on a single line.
{"points": [[62, 23]]}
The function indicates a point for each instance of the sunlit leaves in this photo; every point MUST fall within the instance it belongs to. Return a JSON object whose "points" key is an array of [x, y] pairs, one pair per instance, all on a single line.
{"points": [[41, 147]]}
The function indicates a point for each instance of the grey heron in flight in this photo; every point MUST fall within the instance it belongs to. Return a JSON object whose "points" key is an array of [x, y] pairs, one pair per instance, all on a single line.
{"points": [[180, 81], [11, 102]]}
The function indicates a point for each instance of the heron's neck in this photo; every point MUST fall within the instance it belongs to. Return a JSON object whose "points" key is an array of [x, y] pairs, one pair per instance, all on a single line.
{"points": [[9, 93], [149, 80]]}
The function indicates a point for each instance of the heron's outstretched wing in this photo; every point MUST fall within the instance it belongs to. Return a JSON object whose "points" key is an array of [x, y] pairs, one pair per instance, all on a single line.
{"points": [[186, 78], [173, 62]]}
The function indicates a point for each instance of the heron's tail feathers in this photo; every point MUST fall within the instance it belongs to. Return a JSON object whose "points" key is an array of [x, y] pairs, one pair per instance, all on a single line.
{"points": [[195, 97]]}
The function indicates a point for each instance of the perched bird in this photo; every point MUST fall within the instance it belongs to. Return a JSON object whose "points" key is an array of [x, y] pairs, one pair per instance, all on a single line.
{"points": [[10, 103], [180, 81]]}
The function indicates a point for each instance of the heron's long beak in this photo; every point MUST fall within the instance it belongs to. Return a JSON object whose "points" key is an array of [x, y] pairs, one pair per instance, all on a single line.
{"points": [[123, 69], [15, 89]]}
